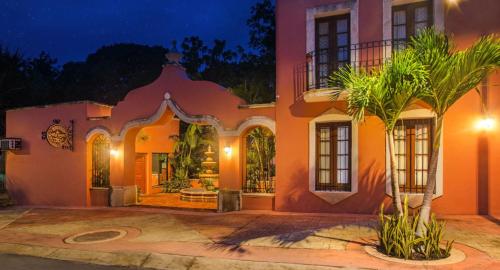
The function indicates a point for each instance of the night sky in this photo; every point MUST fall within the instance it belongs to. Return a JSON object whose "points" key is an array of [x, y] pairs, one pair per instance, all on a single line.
{"points": [[70, 30]]}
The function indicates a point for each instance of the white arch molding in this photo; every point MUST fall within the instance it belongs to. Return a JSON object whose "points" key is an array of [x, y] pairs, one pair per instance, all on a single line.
{"points": [[96, 131], [169, 103]]}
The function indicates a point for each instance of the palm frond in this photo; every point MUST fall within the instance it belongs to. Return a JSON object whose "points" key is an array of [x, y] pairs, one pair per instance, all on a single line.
{"points": [[453, 74], [384, 93]]}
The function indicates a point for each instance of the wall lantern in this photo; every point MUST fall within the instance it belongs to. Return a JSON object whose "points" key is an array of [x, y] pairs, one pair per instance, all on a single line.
{"points": [[114, 152], [228, 150], [485, 124]]}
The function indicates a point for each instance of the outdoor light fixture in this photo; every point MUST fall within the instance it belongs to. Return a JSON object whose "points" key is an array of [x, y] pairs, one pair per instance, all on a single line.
{"points": [[114, 152], [228, 150], [485, 124]]}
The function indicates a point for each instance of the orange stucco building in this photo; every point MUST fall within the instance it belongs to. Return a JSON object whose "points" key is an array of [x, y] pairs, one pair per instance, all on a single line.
{"points": [[325, 162]]}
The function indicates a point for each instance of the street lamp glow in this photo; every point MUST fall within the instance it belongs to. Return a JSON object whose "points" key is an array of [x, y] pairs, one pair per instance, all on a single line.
{"points": [[485, 124]]}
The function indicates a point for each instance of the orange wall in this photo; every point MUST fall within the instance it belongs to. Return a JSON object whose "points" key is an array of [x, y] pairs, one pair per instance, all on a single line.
{"points": [[41, 174], [44, 175], [462, 156]]}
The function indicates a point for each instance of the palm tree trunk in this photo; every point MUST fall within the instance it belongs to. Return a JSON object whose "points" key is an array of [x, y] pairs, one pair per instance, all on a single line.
{"points": [[425, 210], [396, 197]]}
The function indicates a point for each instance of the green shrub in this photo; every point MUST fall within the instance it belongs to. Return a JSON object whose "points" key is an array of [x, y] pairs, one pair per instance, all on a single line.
{"points": [[175, 184], [429, 247], [397, 237]]}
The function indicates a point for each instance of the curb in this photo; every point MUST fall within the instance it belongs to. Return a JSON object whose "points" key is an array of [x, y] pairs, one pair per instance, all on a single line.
{"points": [[149, 260]]}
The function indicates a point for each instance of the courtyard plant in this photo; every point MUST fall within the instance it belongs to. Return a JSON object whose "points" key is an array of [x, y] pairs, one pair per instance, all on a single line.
{"points": [[260, 160], [398, 238], [452, 74], [385, 93], [188, 154]]}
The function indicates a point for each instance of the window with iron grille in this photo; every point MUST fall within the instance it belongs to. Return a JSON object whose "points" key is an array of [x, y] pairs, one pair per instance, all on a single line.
{"points": [[100, 161], [333, 156], [408, 20], [332, 46], [260, 167], [413, 147]]}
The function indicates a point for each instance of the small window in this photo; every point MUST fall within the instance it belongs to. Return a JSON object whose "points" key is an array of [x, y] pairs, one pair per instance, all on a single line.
{"points": [[413, 147], [160, 166], [333, 156]]}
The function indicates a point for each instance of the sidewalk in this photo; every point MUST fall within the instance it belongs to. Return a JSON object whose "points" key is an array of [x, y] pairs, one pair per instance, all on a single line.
{"points": [[169, 239]]}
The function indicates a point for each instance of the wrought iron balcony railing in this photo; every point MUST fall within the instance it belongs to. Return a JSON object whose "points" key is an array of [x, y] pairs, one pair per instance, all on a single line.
{"points": [[321, 64]]}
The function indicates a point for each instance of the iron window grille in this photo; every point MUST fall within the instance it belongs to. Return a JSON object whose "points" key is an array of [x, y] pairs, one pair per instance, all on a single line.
{"points": [[100, 161]]}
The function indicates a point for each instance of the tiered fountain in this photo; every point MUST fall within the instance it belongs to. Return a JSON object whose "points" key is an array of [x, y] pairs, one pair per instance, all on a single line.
{"points": [[208, 178], [208, 175]]}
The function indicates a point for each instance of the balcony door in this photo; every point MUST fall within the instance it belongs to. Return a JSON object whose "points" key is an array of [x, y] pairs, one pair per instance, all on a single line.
{"points": [[409, 19], [332, 46]]}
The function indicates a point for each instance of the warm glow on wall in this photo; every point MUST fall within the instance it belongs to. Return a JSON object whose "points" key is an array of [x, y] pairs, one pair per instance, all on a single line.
{"points": [[453, 3], [114, 153], [485, 124], [228, 150]]}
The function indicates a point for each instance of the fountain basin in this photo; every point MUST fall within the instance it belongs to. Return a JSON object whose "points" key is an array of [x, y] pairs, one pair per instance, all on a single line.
{"points": [[198, 195]]}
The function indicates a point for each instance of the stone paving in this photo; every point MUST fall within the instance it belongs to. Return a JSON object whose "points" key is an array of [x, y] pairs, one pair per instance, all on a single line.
{"points": [[173, 200], [158, 235]]}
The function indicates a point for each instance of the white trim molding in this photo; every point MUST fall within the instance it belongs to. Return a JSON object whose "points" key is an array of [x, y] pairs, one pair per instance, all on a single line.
{"points": [[95, 131], [256, 121], [169, 103], [333, 115], [415, 199], [437, 12], [350, 7]]}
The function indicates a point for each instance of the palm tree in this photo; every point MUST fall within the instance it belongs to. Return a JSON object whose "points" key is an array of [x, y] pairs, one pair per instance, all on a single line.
{"points": [[452, 74], [385, 93], [183, 150]]}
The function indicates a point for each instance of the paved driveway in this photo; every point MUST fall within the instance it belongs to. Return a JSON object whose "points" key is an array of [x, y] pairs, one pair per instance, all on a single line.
{"points": [[18, 262], [166, 238]]}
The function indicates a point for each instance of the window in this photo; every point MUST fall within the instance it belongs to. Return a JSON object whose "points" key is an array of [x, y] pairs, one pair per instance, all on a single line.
{"points": [[100, 161], [408, 20], [333, 156], [160, 167], [413, 147], [332, 46]]}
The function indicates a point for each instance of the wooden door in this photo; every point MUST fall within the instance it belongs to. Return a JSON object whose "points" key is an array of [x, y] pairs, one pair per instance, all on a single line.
{"points": [[140, 172]]}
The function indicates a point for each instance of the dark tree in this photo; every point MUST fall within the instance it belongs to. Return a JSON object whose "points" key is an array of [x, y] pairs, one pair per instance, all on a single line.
{"points": [[108, 74], [194, 52]]}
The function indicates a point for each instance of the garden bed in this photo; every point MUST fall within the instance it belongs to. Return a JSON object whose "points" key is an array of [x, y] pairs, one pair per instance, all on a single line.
{"points": [[456, 256]]}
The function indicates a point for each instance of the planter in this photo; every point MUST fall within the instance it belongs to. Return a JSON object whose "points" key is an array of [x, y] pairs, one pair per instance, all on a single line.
{"points": [[99, 196], [229, 200], [456, 256]]}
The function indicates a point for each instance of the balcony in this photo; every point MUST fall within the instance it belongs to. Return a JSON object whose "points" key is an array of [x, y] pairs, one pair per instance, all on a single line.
{"points": [[312, 77]]}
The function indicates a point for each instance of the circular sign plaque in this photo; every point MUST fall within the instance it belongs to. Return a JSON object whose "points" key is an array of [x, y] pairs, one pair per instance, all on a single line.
{"points": [[57, 135]]}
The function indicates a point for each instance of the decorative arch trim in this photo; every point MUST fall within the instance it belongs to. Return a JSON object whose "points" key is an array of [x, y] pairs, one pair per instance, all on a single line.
{"points": [[169, 103], [256, 121], [95, 131]]}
